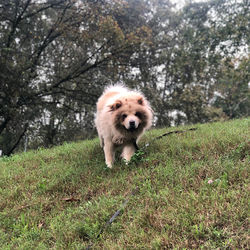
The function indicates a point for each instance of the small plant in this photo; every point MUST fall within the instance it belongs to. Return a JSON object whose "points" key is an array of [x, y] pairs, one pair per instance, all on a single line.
{"points": [[137, 157]]}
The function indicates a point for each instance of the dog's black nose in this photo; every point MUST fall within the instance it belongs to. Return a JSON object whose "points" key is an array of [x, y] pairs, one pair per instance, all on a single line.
{"points": [[132, 124]]}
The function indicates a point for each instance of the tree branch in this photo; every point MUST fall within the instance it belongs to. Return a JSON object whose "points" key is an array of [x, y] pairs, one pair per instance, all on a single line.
{"points": [[16, 22], [18, 140]]}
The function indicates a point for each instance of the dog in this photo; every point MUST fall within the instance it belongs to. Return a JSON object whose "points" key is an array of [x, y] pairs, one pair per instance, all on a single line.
{"points": [[122, 116]]}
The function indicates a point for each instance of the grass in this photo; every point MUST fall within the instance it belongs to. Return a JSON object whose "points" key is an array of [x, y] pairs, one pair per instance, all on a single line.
{"points": [[192, 193]]}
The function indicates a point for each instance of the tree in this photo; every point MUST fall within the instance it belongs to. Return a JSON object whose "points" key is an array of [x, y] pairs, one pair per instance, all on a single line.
{"points": [[190, 49], [52, 56], [57, 56], [232, 88]]}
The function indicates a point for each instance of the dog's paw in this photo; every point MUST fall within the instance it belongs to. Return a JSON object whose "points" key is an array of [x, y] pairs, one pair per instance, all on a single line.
{"points": [[125, 161], [109, 164]]}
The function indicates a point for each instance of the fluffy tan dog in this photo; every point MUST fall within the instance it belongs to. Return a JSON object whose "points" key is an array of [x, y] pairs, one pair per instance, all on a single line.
{"points": [[121, 118]]}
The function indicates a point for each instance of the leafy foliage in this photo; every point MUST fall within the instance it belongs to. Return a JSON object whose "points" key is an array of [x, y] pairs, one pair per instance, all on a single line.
{"points": [[56, 57]]}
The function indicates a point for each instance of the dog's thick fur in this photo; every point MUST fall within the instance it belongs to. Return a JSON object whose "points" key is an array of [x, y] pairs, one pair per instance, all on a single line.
{"points": [[121, 118]]}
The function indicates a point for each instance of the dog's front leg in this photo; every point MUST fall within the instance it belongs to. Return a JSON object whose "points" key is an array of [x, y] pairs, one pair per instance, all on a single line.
{"points": [[109, 153], [128, 151]]}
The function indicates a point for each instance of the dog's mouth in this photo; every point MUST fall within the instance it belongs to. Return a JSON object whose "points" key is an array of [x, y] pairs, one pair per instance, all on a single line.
{"points": [[132, 129]]}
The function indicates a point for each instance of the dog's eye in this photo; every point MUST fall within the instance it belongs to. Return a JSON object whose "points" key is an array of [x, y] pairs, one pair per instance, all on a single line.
{"points": [[138, 114], [124, 116]]}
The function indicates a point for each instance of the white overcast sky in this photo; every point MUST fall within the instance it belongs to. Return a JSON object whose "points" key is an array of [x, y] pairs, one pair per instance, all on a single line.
{"points": [[180, 3]]}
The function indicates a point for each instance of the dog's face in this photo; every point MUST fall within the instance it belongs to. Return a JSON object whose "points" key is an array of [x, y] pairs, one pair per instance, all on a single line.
{"points": [[130, 114]]}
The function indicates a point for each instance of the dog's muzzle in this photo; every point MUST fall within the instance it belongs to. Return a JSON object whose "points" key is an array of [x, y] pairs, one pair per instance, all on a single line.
{"points": [[132, 126]]}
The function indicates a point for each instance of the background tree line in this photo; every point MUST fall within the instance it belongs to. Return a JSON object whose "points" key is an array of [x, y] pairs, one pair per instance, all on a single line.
{"points": [[56, 57]]}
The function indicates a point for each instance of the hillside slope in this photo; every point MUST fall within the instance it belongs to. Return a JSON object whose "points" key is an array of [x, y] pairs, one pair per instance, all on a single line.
{"points": [[192, 192]]}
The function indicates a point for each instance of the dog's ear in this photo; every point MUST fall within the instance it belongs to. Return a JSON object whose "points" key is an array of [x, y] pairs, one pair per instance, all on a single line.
{"points": [[115, 105], [140, 100]]}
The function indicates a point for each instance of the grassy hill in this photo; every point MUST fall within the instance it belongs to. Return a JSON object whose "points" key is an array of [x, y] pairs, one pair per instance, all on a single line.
{"points": [[192, 193]]}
